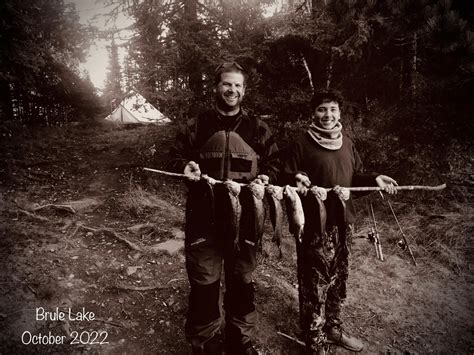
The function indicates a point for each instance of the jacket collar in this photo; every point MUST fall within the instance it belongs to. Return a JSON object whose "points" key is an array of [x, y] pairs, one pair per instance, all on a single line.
{"points": [[242, 114]]}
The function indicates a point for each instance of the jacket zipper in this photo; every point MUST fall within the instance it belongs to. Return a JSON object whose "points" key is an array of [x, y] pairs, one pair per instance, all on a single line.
{"points": [[226, 155]]}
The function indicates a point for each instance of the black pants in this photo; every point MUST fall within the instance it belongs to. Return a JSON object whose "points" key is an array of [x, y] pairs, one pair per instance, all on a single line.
{"points": [[209, 247]]}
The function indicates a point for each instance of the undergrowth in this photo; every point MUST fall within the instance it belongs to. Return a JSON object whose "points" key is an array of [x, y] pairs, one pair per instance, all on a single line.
{"points": [[438, 227]]}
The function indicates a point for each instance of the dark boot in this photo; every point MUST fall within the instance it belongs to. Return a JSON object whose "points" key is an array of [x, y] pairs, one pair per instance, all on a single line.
{"points": [[336, 335]]}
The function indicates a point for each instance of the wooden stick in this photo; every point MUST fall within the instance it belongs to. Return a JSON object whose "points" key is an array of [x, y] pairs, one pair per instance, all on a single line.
{"points": [[363, 188], [292, 338], [32, 215], [139, 288], [58, 207], [398, 188]]}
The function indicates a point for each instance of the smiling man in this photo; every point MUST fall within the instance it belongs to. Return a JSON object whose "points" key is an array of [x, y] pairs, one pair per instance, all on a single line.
{"points": [[230, 91], [223, 143]]}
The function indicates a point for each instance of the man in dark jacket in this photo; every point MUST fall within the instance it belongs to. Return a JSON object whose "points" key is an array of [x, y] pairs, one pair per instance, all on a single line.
{"points": [[223, 143], [325, 158]]}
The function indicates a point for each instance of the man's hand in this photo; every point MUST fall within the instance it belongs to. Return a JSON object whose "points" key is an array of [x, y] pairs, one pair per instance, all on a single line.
{"points": [[387, 183], [233, 187], [210, 181], [192, 171], [302, 183], [263, 178], [343, 192], [319, 192]]}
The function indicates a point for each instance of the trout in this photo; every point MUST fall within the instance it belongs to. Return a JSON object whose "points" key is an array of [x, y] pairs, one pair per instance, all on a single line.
{"points": [[274, 198], [258, 191], [316, 213], [294, 210], [235, 211], [253, 213], [200, 212], [339, 209], [313, 243]]}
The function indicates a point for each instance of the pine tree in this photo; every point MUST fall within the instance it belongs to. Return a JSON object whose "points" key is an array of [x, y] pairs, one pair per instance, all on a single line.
{"points": [[113, 87]]}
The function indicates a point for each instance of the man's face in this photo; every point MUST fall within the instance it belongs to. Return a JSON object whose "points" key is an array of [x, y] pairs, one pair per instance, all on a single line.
{"points": [[327, 114], [230, 91]]}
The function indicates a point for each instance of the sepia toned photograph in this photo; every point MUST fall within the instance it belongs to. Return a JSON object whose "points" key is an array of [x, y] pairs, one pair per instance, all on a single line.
{"points": [[236, 177]]}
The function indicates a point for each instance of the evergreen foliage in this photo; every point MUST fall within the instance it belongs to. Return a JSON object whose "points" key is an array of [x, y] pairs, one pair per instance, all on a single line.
{"points": [[405, 66], [41, 46]]}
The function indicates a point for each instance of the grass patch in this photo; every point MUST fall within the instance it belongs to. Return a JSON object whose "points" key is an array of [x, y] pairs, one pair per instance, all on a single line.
{"points": [[439, 226], [139, 202]]}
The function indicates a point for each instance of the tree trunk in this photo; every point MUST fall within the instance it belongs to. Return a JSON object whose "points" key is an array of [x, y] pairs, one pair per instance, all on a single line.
{"points": [[414, 73], [305, 63], [317, 6], [329, 69], [193, 70], [6, 105]]}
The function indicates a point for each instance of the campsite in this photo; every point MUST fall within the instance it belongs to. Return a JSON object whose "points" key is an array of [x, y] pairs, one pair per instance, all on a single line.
{"points": [[93, 95], [134, 108]]}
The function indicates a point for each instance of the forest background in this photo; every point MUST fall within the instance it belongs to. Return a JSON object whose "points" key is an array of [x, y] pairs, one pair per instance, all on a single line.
{"points": [[405, 68]]}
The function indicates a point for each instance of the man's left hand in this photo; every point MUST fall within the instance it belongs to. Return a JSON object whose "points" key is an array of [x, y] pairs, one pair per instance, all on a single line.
{"points": [[387, 183], [263, 178]]}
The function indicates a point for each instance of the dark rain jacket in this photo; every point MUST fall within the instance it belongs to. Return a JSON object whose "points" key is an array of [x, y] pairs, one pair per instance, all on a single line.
{"points": [[238, 147]]}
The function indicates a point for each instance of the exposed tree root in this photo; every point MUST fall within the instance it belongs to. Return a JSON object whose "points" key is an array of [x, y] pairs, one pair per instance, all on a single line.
{"points": [[66, 208], [138, 288], [32, 215], [114, 234]]}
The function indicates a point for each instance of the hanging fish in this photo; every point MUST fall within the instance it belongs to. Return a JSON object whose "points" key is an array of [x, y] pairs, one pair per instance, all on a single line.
{"points": [[275, 198], [233, 192], [199, 208], [258, 191], [294, 210], [253, 213], [338, 198], [317, 211], [315, 231]]}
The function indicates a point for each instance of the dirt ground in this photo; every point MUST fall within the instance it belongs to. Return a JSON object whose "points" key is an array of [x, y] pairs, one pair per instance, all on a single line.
{"points": [[84, 229]]}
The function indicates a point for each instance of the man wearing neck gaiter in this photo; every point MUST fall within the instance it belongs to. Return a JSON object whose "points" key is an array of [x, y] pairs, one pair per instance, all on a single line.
{"points": [[323, 157], [223, 143]]}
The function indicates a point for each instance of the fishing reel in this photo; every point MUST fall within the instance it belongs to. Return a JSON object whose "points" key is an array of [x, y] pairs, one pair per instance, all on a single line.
{"points": [[402, 244], [371, 236], [374, 238]]}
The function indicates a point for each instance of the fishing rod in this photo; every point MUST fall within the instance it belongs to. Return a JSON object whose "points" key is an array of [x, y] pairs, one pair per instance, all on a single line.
{"points": [[353, 189], [375, 237], [404, 240]]}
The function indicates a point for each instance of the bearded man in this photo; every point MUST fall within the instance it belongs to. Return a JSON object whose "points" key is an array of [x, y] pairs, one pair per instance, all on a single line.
{"points": [[223, 143]]}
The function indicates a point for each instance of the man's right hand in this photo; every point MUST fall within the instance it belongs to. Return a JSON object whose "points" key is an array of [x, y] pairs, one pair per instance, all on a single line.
{"points": [[192, 171]]}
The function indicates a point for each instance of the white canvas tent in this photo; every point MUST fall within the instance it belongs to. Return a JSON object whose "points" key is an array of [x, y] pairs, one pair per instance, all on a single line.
{"points": [[135, 109]]}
